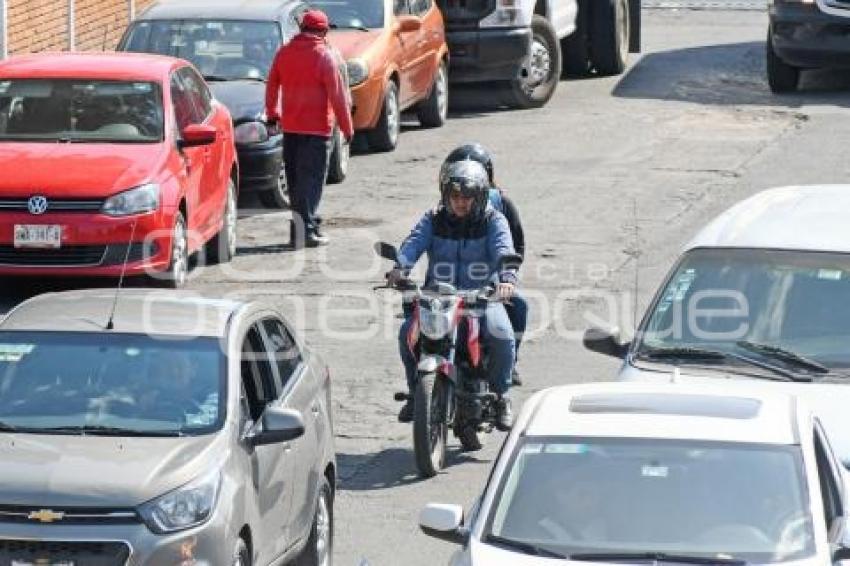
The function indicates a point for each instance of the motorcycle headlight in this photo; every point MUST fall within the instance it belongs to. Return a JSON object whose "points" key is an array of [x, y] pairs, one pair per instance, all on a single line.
{"points": [[135, 201], [434, 322], [251, 132], [183, 508], [358, 71]]}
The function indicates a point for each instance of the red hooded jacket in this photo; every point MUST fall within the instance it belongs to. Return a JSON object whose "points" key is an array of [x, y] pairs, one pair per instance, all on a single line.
{"points": [[305, 80]]}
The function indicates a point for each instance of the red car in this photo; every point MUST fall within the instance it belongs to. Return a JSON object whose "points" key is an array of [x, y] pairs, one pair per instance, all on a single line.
{"points": [[111, 161]]}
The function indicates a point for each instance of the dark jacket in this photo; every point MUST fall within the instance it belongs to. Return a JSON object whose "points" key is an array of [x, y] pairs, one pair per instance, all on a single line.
{"points": [[507, 207]]}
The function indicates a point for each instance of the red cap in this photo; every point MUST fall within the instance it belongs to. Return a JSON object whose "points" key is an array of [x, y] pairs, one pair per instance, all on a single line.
{"points": [[314, 20]]}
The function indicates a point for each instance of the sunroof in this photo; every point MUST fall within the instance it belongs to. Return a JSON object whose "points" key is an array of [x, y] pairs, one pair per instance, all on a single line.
{"points": [[667, 404]]}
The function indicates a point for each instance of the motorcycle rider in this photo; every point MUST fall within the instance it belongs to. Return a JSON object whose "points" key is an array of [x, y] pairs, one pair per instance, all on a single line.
{"points": [[464, 238], [517, 308]]}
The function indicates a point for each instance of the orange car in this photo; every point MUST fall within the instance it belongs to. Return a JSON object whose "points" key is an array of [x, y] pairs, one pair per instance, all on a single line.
{"points": [[397, 59]]}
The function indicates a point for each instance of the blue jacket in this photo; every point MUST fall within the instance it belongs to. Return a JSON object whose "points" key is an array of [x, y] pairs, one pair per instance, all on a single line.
{"points": [[465, 254]]}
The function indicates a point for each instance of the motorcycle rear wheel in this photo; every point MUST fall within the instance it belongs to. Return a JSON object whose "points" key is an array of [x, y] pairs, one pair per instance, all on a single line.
{"points": [[429, 424]]}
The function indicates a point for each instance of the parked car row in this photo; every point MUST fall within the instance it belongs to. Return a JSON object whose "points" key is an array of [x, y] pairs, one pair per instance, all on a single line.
{"points": [[729, 434]]}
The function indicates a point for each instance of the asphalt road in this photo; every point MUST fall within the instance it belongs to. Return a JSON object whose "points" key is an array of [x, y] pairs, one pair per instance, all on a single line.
{"points": [[612, 177]]}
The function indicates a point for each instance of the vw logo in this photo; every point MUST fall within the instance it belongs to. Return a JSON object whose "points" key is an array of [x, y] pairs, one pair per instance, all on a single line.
{"points": [[37, 205]]}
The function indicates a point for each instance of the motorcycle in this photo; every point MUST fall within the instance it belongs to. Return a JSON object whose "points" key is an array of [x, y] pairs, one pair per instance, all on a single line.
{"points": [[451, 388]]}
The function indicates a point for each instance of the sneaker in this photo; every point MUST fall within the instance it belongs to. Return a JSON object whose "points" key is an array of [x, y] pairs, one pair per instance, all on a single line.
{"points": [[314, 241], [515, 378], [504, 414], [405, 415]]}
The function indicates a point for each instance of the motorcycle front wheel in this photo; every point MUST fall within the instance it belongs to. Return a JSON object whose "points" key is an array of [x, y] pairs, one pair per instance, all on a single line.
{"points": [[430, 428]]}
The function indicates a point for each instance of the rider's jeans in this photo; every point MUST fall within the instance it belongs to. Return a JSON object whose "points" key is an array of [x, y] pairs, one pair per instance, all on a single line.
{"points": [[518, 314], [496, 334]]}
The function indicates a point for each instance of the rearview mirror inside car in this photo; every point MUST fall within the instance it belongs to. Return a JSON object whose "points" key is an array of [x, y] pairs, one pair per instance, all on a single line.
{"points": [[444, 522], [386, 251], [197, 134], [278, 425], [605, 341]]}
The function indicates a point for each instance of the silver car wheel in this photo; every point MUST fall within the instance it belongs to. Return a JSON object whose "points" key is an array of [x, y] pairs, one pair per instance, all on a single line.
{"points": [[230, 219], [323, 531], [393, 116], [179, 255], [442, 87], [538, 67]]}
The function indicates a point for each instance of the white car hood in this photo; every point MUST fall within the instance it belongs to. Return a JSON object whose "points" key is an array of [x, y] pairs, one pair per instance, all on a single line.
{"points": [[829, 401], [480, 554]]}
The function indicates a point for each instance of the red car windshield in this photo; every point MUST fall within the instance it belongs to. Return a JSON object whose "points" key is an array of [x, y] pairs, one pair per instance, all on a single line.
{"points": [[80, 110]]}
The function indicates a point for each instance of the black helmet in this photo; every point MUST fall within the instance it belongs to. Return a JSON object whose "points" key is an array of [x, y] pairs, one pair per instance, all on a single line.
{"points": [[474, 151], [468, 178]]}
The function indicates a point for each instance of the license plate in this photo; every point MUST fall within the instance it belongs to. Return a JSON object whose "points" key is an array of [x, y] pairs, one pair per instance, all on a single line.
{"points": [[42, 562], [38, 235]]}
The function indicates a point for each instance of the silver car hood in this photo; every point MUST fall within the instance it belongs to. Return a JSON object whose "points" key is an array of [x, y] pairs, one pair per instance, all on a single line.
{"points": [[829, 401], [65, 471]]}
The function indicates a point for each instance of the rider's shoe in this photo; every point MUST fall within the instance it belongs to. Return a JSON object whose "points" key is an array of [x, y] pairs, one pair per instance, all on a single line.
{"points": [[405, 415], [515, 378], [504, 414]]}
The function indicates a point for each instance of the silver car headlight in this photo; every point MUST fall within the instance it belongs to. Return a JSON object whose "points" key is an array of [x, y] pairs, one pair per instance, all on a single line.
{"points": [[358, 71], [144, 198], [251, 132], [183, 508]]}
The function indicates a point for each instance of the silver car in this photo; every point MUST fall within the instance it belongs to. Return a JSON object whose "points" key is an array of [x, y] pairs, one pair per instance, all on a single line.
{"points": [[180, 430]]}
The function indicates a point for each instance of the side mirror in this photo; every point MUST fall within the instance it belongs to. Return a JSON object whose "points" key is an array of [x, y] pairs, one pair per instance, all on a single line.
{"points": [[278, 425], [444, 522], [606, 342], [194, 135], [510, 261], [841, 555], [408, 23], [386, 251]]}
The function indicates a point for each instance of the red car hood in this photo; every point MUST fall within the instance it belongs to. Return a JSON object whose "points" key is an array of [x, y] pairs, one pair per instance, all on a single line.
{"points": [[353, 43], [77, 170]]}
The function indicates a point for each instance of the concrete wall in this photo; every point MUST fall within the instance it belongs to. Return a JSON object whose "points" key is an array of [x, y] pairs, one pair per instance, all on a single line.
{"points": [[31, 26]]}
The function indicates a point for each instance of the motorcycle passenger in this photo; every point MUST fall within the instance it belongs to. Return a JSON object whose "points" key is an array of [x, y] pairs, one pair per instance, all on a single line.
{"points": [[464, 238], [517, 308]]}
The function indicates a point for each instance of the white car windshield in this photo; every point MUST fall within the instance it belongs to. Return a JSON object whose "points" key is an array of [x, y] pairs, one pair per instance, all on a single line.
{"points": [[770, 305], [104, 383], [723, 501]]}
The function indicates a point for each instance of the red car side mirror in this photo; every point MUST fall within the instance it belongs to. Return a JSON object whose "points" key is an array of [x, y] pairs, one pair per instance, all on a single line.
{"points": [[197, 134], [406, 24]]}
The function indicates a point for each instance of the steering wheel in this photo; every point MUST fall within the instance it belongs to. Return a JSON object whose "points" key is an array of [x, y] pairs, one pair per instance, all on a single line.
{"points": [[735, 532], [177, 408], [792, 525], [558, 529]]}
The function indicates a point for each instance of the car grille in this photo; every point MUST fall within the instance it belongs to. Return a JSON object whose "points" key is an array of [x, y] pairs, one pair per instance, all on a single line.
{"points": [[69, 516], [465, 14], [18, 204], [69, 256], [78, 553]]}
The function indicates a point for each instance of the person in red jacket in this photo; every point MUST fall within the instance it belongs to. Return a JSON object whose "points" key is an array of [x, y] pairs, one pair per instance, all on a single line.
{"points": [[305, 93]]}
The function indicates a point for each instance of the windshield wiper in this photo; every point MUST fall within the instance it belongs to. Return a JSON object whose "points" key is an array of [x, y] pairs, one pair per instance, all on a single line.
{"points": [[655, 557], [215, 78], [692, 353], [101, 430], [360, 28], [784, 355], [524, 547]]}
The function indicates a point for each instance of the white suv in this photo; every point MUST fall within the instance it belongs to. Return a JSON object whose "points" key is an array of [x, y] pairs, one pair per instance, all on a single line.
{"points": [[615, 473], [762, 292]]}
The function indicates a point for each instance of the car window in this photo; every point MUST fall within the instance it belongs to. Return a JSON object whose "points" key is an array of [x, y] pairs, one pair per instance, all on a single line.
{"points": [[198, 92], [80, 110], [184, 108], [149, 385], [401, 7], [283, 349], [257, 375], [420, 7], [347, 14], [219, 49]]}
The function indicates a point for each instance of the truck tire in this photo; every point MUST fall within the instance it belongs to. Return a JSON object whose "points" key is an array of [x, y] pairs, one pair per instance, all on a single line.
{"points": [[609, 36], [575, 48], [781, 77], [541, 73]]}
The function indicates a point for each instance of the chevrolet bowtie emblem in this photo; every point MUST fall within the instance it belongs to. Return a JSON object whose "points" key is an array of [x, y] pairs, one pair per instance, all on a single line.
{"points": [[46, 515]]}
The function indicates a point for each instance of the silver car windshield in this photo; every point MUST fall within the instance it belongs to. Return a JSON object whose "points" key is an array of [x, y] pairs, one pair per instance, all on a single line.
{"points": [[352, 14], [698, 499], [80, 110], [219, 49], [103, 383], [740, 300]]}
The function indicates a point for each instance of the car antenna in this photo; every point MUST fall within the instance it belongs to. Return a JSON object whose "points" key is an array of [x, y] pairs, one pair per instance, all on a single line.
{"points": [[109, 323]]}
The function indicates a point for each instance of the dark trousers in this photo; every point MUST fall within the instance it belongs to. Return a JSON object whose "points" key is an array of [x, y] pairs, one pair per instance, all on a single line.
{"points": [[305, 162]]}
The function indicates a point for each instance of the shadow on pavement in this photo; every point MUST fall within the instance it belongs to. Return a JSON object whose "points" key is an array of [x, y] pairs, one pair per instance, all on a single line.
{"points": [[730, 74], [15, 290], [392, 467]]}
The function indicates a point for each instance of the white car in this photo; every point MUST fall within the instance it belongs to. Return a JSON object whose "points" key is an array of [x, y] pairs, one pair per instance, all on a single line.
{"points": [[762, 292], [616, 473]]}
